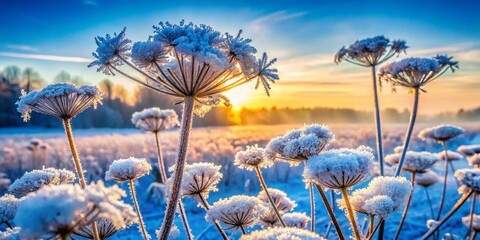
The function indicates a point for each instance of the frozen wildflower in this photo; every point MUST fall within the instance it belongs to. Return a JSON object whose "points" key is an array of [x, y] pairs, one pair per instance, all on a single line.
{"points": [[110, 51], [239, 48], [426, 179], [415, 73], [340, 168], [35, 179], [106, 228], [299, 144], [62, 100], [417, 162], [282, 233], [8, 207], [469, 178], [295, 219], [128, 169], [149, 54], [371, 51], [379, 205], [11, 234], [154, 119], [475, 222], [199, 179], [237, 212], [283, 203], [452, 156], [270, 219], [251, 158], [441, 133], [474, 159], [469, 150]]}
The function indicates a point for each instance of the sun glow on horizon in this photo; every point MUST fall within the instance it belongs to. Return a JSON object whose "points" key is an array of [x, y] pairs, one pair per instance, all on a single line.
{"points": [[239, 96]]}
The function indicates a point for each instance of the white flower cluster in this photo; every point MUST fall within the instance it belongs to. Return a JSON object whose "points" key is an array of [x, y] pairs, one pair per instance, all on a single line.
{"points": [[282, 233], [475, 222], [252, 158], [426, 179], [108, 51], [469, 150], [155, 119], [63, 100], [279, 197], [441, 132], [299, 144], [416, 162], [128, 169], [149, 54], [452, 156], [340, 168], [295, 219], [35, 179], [469, 178], [237, 211], [8, 207]]}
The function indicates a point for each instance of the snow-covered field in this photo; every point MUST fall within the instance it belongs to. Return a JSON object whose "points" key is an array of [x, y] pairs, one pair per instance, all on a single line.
{"points": [[99, 147]]}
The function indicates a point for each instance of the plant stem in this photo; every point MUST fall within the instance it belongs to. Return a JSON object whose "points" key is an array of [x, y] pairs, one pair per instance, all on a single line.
{"points": [[429, 201], [243, 230], [413, 117], [67, 125], [350, 214], [407, 206], [217, 224], [330, 212], [8, 225], [183, 216], [453, 171], [474, 235], [381, 231], [379, 224], [141, 224], [312, 207], [186, 126], [370, 224], [457, 205], [444, 189], [264, 186], [332, 202], [378, 122], [472, 211]]}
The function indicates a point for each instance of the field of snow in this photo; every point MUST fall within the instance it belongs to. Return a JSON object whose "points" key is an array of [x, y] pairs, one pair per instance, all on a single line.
{"points": [[99, 147]]}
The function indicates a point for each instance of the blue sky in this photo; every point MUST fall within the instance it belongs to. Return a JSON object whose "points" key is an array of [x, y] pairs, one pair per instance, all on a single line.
{"points": [[56, 35]]}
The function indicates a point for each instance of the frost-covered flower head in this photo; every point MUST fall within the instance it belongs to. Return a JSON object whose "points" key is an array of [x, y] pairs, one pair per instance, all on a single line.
{"points": [[154, 119], [452, 156], [62, 100], [270, 219], [299, 144], [475, 222], [11, 234], [106, 228], [426, 179], [283, 203], [282, 233], [340, 168], [55, 211], [187, 60], [416, 162], [8, 207], [469, 178], [237, 211], [128, 169], [295, 219], [441, 133], [474, 159], [34, 180], [469, 150], [415, 73], [371, 51], [251, 158]]}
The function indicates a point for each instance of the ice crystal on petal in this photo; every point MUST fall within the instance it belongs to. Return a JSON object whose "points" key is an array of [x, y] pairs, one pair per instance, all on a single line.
{"points": [[35, 179], [154, 119], [469, 179], [441, 132], [109, 51], [282, 233], [128, 169], [252, 158]]}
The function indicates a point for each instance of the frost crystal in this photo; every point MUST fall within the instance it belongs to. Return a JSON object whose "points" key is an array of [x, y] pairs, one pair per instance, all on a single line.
{"points": [[452, 156], [417, 162], [8, 207], [380, 205], [297, 220], [469, 150], [128, 169], [173, 235], [475, 222], [282, 233], [251, 158], [283, 203], [109, 51], [149, 54], [34, 180], [426, 179], [441, 133], [237, 211], [469, 178], [340, 168], [62, 100], [154, 119]]}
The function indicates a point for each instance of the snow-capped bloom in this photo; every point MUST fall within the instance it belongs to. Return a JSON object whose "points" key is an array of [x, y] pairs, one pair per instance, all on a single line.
{"points": [[61, 210], [283, 203], [8, 207], [149, 54], [269, 219], [128, 169], [299, 144], [452, 156], [379, 205], [475, 222], [62, 100], [154, 119], [35, 179], [469, 178], [441, 132], [11, 234], [469, 150], [251, 158], [106, 228], [474, 159], [371, 51], [340, 168], [415, 73], [282, 233], [426, 179], [237, 211], [240, 49], [295, 219], [109, 51], [417, 162]]}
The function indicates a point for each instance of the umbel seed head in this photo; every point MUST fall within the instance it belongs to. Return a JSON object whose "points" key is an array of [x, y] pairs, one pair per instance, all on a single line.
{"points": [[155, 119]]}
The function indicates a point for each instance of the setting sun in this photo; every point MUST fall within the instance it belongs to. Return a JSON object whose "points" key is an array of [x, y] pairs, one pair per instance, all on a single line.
{"points": [[239, 96]]}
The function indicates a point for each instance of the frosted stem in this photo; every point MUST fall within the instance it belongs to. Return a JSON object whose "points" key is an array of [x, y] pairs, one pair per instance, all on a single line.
{"points": [[472, 211], [378, 122], [312, 207], [186, 126], [429, 201], [264, 186], [330, 212], [444, 188], [407, 206], [350, 214], [413, 117], [370, 224], [243, 230], [137, 210], [207, 207], [379, 224]]}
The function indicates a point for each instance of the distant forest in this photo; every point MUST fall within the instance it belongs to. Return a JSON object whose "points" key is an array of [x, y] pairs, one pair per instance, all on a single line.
{"points": [[119, 104]]}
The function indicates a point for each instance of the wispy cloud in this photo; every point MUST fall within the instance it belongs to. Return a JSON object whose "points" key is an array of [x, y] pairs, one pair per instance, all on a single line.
{"points": [[90, 2], [274, 18], [19, 47], [45, 57]]}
